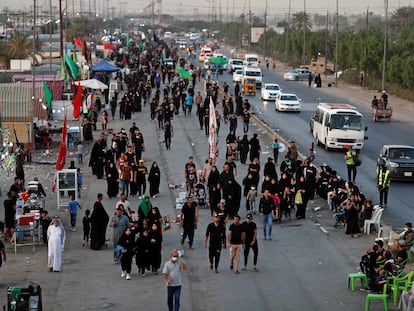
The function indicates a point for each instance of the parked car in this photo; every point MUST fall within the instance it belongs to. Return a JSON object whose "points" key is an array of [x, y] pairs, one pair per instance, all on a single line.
{"points": [[270, 91], [298, 74], [238, 75], [288, 102], [399, 159], [235, 64]]}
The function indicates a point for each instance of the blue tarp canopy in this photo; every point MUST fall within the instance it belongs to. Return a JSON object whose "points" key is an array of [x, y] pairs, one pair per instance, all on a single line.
{"points": [[104, 66]]}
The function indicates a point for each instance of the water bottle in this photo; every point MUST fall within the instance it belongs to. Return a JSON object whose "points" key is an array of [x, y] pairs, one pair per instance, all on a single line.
{"points": [[19, 205], [27, 260]]}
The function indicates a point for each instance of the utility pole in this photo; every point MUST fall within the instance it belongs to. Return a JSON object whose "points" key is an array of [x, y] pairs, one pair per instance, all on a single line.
{"points": [[34, 55], [366, 47], [287, 34], [265, 29], [336, 43], [385, 45], [304, 33]]}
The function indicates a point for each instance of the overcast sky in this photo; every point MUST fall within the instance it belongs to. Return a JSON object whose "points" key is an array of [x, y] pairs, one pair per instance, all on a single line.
{"points": [[228, 7]]}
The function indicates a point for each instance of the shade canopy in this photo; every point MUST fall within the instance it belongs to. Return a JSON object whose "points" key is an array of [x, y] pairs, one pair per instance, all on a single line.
{"points": [[184, 74], [93, 84], [218, 60], [104, 66]]}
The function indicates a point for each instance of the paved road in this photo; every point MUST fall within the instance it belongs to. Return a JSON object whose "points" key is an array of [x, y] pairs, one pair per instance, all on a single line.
{"points": [[302, 266], [398, 131]]}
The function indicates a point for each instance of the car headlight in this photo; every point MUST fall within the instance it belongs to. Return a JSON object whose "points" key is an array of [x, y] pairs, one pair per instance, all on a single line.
{"points": [[359, 140], [392, 164]]}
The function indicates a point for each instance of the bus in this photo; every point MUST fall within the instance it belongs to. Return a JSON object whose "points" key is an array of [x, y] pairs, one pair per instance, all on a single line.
{"points": [[337, 126]]}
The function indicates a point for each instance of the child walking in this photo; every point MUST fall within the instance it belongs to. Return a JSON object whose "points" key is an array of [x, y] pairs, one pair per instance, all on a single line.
{"points": [[86, 222], [73, 210]]}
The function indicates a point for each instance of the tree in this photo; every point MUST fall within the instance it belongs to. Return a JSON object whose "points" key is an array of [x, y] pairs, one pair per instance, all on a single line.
{"points": [[300, 21], [19, 47]]}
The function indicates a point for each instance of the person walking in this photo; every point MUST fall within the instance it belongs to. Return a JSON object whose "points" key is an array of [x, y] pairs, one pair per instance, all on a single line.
{"points": [[154, 178], [349, 157], [235, 238], [56, 244], [217, 234], [172, 276], [267, 211], [250, 240], [127, 242], [99, 222], [119, 223], [168, 133], [383, 183], [189, 220]]}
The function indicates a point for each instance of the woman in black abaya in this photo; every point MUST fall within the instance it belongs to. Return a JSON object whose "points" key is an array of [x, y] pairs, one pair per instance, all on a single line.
{"points": [[154, 180], [112, 180]]}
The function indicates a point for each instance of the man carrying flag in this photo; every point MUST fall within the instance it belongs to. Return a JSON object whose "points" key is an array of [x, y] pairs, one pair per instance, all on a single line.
{"points": [[212, 137]]}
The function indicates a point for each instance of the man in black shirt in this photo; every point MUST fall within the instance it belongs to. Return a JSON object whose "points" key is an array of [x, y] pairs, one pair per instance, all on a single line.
{"points": [[267, 211], [217, 234], [188, 220], [235, 238], [250, 240]]}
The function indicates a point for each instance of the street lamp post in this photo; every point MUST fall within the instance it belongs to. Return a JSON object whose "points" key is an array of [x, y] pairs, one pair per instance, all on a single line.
{"points": [[34, 55]]}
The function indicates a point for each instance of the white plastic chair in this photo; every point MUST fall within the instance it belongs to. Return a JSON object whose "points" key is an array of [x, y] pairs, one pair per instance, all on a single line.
{"points": [[384, 234], [375, 220]]}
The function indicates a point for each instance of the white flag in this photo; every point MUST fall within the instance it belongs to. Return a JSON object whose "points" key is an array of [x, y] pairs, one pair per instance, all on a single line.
{"points": [[212, 137]]}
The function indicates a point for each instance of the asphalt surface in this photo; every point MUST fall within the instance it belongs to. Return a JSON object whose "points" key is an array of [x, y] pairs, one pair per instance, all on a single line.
{"points": [[306, 263]]}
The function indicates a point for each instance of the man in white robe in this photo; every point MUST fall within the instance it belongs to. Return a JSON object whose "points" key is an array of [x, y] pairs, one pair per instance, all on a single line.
{"points": [[56, 244]]}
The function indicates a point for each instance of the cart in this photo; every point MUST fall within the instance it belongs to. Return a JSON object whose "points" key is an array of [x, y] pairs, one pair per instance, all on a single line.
{"points": [[24, 299], [381, 113]]}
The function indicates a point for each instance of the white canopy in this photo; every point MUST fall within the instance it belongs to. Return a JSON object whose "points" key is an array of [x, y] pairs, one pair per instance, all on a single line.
{"points": [[93, 84]]}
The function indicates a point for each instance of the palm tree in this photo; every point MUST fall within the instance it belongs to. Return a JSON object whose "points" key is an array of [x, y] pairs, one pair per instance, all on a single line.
{"points": [[19, 47], [300, 21]]}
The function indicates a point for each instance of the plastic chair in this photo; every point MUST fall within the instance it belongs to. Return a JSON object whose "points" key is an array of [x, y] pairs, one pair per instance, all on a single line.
{"points": [[383, 297], [352, 277], [376, 220], [400, 285], [384, 234]]}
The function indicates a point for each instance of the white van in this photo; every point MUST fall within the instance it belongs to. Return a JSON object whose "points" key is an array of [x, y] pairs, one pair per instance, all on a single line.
{"points": [[253, 72], [251, 60], [337, 126]]}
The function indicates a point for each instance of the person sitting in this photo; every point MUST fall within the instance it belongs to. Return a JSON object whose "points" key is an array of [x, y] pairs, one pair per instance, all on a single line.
{"points": [[407, 300], [402, 255], [379, 278]]}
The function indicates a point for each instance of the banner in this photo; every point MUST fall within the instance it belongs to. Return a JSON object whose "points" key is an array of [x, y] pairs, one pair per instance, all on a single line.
{"points": [[212, 137], [61, 159]]}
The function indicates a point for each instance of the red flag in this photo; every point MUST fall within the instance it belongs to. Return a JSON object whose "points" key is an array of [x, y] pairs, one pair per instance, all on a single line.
{"points": [[61, 160], [78, 41], [77, 102]]}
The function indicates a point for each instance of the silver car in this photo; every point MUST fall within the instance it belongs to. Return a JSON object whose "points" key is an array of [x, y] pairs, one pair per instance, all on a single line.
{"points": [[298, 74]]}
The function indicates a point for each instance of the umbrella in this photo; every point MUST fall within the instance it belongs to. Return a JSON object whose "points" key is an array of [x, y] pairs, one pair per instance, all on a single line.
{"points": [[218, 60], [184, 74], [93, 84]]}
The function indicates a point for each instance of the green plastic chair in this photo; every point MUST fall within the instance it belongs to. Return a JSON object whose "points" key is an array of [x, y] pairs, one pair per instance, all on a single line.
{"points": [[383, 297], [352, 277], [400, 285]]}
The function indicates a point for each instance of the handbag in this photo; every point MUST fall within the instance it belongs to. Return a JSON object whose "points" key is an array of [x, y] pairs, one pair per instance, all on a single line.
{"points": [[298, 198], [357, 160]]}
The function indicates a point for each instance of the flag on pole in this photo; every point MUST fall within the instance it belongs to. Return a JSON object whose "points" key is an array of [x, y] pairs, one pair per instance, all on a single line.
{"points": [[73, 68], [212, 137], [77, 102], [61, 159], [89, 101], [48, 95]]}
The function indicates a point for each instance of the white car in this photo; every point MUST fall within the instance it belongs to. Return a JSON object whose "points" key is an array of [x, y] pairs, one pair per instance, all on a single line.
{"points": [[270, 91], [288, 102], [235, 64], [238, 75]]}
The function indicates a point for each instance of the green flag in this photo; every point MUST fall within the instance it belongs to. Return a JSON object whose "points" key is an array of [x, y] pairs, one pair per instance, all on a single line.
{"points": [[48, 95], [72, 66]]}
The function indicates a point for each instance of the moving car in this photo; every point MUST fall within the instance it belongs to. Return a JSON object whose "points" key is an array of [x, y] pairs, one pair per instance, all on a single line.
{"points": [[270, 91], [298, 74], [238, 75], [288, 102], [235, 64], [399, 159]]}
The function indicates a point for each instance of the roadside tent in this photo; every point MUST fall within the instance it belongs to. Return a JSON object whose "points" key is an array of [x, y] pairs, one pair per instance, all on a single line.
{"points": [[104, 66]]}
